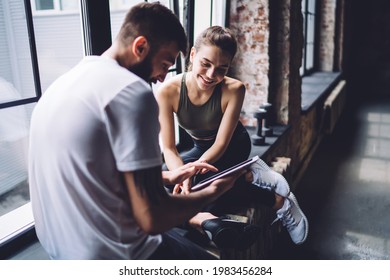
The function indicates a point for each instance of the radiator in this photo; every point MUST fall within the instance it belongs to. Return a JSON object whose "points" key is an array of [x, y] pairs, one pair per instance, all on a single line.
{"points": [[333, 106]]}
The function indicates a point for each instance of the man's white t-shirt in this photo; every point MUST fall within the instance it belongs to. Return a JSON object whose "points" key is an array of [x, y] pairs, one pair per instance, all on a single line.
{"points": [[92, 123]]}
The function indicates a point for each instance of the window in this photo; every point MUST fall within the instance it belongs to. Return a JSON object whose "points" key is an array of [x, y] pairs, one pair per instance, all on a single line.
{"points": [[33, 54], [57, 52], [118, 10], [208, 13], [309, 29], [19, 91], [44, 6]]}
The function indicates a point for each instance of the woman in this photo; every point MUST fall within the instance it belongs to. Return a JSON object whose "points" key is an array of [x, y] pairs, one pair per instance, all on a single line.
{"points": [[207, 104]]}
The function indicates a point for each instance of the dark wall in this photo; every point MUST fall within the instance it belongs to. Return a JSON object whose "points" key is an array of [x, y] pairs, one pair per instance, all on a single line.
{"points": [[367, 48]]}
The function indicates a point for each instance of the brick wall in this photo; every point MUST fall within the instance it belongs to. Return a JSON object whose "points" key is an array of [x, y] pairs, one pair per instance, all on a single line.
{"points": [[270, 38], [250, 21]]}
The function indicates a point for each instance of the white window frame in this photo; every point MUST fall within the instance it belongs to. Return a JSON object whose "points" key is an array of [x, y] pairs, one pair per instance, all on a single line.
{"points": [[208, 13], [309, 29]]}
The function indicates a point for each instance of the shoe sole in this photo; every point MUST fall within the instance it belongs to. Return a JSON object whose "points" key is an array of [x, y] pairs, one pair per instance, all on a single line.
{"points": [[294, 199]]}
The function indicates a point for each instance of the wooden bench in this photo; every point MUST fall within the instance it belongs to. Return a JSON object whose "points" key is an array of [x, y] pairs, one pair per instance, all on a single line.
{"points": [[260, 215]]}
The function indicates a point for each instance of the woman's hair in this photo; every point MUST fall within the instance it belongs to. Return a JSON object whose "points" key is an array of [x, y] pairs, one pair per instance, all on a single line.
{"points": [[156, 22], [218, 36]]}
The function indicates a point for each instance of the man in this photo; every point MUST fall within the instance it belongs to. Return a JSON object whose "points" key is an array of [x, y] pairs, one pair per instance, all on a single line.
{"points": [[95, 163]]}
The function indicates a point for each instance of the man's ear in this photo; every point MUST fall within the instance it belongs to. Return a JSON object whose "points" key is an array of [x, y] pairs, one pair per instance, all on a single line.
{"points": [[141, 47]]}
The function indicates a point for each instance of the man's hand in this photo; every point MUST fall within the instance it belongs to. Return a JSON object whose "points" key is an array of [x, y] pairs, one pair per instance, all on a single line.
{"points": [[223, 184], [183, 188], [186, 171]]}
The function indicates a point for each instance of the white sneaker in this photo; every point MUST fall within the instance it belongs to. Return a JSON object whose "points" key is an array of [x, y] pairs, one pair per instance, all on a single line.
{"points": [[266, 178], [293, 219]]}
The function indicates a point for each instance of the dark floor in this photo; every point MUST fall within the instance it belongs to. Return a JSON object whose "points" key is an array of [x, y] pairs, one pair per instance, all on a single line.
{"points": [[345, 192]]}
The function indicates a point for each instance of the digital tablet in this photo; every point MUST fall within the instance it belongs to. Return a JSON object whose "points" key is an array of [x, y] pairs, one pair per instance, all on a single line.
{"points": [[223, 173]]}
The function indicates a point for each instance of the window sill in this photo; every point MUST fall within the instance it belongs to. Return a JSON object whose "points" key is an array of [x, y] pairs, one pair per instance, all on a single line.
{"points": [[15, 224], [316, 87], [270, 141]]}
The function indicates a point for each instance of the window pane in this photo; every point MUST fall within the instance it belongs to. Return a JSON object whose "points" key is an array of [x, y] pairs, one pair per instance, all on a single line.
{"points": [[309, 18], [219, 14], [202, 16], [14, 127], [119, 8], [310, 29], [309, 56], [57, 51], [69, 5], [44, 5], [302, 68], [311, 6], [207, 13], [15, 57], [122, 4]]}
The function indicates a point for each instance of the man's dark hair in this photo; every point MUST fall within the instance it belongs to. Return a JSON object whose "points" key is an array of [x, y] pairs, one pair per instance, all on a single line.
{"points": [[157, 23]]}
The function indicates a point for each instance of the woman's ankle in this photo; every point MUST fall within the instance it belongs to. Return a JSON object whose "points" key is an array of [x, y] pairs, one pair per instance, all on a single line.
{"points": [[197, 220], [279, 202]]}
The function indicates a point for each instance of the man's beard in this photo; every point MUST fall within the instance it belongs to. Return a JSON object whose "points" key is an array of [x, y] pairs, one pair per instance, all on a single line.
{"points": [[143, 69]]}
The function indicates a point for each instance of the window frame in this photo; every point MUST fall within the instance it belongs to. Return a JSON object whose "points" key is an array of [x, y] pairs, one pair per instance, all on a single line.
{"points": [[96, 32], [306, 70], [34, 62], [23, 215]]}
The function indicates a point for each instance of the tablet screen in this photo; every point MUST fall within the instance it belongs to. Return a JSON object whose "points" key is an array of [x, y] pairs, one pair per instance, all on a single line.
{"points": [[225, 172]]}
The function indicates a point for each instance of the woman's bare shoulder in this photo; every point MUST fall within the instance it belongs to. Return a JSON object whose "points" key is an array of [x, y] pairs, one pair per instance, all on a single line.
{"points": [[170, 87], [232, 86]]}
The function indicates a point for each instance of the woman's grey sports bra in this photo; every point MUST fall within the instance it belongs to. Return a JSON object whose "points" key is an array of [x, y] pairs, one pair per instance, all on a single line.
{"points": [[201, 122]]}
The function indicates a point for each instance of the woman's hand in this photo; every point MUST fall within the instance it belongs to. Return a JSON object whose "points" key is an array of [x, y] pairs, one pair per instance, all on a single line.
{"points": [[186, 171], [203, 170]]}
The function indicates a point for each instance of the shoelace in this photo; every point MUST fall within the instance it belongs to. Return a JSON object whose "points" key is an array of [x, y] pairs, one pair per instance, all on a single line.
{"points": [[259, 181], [266, 185], [286, 218], [264, 177]]}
